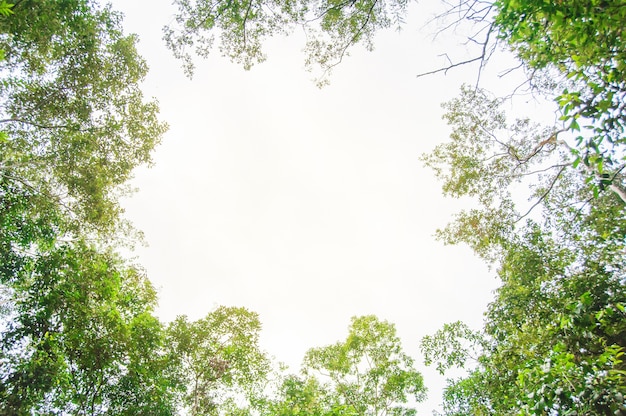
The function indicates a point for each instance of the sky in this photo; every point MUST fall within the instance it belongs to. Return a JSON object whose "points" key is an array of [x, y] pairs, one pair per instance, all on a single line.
{"points": [[305, 205]]}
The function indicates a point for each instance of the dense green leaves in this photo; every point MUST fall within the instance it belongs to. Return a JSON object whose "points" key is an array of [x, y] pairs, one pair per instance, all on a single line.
{"points": [[368, 373], [581, 45], [76, 327], [75, 120], [220, 361], [555, 335], [77, 333]]}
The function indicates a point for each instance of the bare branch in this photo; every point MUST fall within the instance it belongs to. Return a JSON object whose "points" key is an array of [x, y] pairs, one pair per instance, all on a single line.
{"points": [[325, 12], [245, 21], [449, 67], [544, 194]]}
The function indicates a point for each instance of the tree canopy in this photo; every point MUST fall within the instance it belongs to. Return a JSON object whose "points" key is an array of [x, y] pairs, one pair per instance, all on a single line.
{"points": [[332, 28], [554, 336], [77, 334], [77, 326], [220, 360], [367, 374], [553, 341], [570, 51]]}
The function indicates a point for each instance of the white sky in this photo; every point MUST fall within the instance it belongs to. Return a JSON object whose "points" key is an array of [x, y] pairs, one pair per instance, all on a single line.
{"points": [[307, 206]]}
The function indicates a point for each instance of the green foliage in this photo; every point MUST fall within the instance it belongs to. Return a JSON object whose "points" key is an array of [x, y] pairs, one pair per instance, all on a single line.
{"points": [[583, 44], [368, 373], [487, 158], [78, 322], [220, 360], [554, 339], [305, 397], [451, 347], [242, 26], [6, 8], [332, 27], [77, 330], [555, 335], [77, 333], [75, 120], [577, 46]]}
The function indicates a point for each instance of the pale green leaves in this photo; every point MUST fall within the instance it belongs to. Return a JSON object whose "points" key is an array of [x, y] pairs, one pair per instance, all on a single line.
{"points": [[332, 27], [343, 24], [485, 158], [368, 372], [453, 346], [76, 120], [221, 362], [241, 25]]}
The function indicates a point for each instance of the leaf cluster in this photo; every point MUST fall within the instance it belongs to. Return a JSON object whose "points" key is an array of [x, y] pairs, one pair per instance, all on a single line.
{"points": [[582, 44], [77, 330], [368, 373], [332, 27]]}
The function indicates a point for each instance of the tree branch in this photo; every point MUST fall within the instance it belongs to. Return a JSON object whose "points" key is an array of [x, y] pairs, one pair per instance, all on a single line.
{"points": [[41, 126], [544, 195], [449, 67]]}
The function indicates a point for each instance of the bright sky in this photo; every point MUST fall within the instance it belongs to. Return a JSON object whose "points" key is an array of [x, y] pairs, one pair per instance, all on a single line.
{"points": [[307, 206]]}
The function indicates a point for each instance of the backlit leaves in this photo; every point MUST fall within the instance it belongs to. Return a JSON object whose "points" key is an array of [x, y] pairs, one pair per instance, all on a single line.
{"points": [[368, 373], [332, 27]]}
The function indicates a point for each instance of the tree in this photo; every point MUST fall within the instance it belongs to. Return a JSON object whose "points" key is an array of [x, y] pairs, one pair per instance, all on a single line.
{"points": [[582, 43], [555, 335], [298, 396], [75, 120], [332, 28], [553, 341], [367, 374], [220, 362], [78, 334], [487, 157], [77, 329], [572, 53]]}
